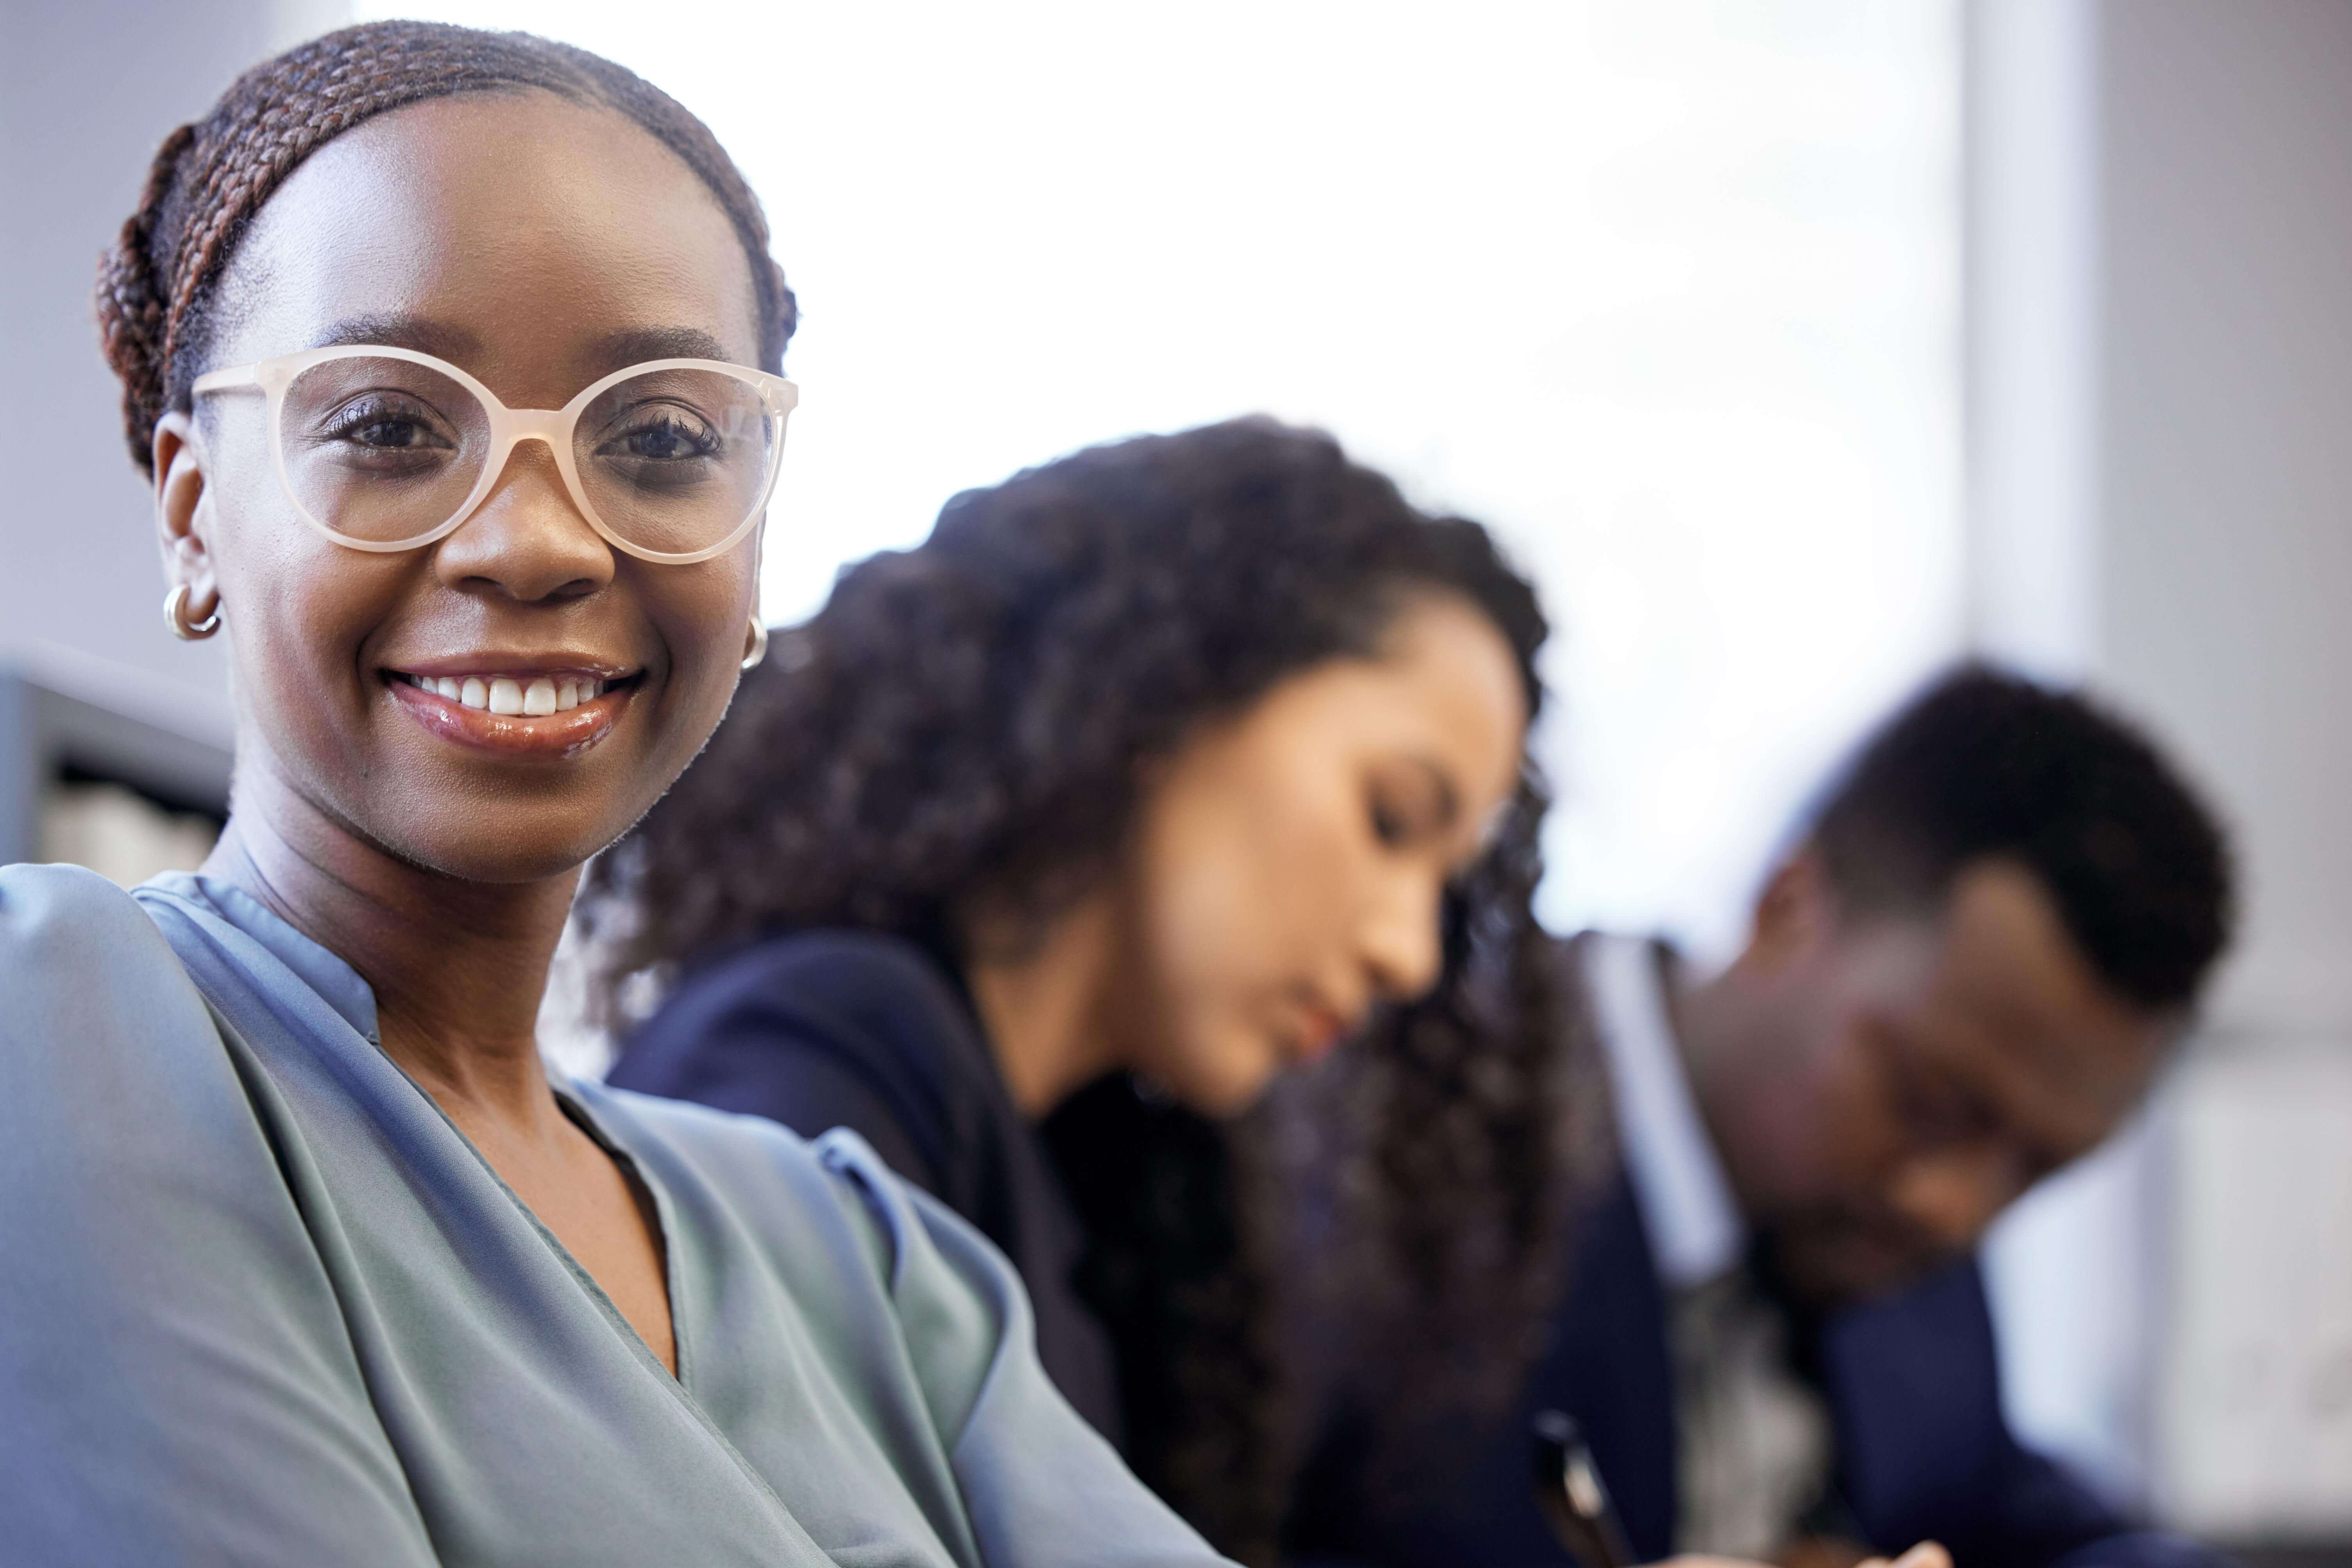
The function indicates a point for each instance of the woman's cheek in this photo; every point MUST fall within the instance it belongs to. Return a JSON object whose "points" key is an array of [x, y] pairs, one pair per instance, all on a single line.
{"points": [[702, 614], [1209, 1051]]}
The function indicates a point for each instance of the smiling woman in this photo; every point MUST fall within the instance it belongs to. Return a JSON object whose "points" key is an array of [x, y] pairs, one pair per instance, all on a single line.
{"points": [[454, 358]]}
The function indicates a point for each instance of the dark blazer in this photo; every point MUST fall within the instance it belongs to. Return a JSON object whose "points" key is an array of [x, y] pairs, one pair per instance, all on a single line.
{"points": [[1913, 1388], [836, 1028]]}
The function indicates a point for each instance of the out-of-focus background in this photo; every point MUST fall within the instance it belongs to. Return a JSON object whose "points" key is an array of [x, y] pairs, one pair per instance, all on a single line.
{"points": [[1797, 345]]}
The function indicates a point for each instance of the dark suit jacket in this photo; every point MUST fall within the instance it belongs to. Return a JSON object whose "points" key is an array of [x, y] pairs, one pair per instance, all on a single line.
{"points": [[1913, 1388], [838, 1028]]}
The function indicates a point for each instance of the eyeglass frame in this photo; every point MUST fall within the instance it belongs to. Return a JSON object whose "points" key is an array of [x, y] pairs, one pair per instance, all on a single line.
{"points": [[509, 427]]}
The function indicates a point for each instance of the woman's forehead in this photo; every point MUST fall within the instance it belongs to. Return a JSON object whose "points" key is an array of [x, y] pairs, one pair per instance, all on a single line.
{"points": [[529, 226]]}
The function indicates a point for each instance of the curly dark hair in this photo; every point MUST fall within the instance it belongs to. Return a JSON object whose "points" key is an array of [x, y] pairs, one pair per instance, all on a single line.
{"points": [[1984, 763], [972, 715], [209, 179]]}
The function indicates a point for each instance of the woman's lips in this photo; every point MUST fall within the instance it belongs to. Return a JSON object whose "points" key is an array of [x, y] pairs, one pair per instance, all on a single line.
{"points": [[1320, 1029], [561, 731]]}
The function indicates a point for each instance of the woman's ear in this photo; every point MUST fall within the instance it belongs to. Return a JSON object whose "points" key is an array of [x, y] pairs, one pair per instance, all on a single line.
{"points": [[181, 520]]}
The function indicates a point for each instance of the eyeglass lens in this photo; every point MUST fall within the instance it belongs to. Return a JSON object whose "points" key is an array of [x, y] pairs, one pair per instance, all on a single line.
{"points": [[674, 461], [383, 450]]}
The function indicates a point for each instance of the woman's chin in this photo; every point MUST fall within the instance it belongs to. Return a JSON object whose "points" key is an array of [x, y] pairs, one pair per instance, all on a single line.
{"points": [[495, 848], [500, 828], [1221, 1083]]}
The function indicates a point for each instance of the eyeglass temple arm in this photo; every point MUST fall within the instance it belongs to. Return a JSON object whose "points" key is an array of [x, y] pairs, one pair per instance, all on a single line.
{"points": [[223, 380]]}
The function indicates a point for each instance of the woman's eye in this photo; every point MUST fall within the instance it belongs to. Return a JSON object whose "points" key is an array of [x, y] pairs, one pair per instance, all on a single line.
{"points": [[1410, 805], [390, 433], [383, 426], [664, 438]]}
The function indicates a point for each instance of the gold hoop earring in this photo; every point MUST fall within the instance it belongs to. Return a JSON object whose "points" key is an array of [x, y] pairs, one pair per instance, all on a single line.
{"points": [[175, 616], [759, 645]]}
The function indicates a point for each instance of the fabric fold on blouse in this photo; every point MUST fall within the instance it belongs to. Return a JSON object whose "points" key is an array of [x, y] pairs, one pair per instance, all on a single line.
{"points": [[261, 1302]]}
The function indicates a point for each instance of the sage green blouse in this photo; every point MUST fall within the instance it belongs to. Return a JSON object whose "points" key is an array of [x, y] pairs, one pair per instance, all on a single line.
{"points": [[262, 1303]]}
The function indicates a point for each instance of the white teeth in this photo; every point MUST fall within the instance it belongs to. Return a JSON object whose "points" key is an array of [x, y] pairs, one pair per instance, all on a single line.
{"points": [[527, 696]]}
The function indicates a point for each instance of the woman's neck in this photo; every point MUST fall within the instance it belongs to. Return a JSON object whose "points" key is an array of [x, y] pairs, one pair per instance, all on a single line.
{"points": [[1045, 999], [457, 967]]}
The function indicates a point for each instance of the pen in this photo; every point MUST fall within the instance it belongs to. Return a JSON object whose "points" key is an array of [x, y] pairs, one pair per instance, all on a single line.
{"points": [[1570, 1494]]}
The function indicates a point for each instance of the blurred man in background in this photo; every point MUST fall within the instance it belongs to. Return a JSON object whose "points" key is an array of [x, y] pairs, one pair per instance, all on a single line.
{"points": [[1774, 1332]]}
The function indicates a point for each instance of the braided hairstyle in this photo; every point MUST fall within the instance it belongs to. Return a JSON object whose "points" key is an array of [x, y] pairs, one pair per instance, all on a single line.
{"points": [[972, 718], [209, 179]]}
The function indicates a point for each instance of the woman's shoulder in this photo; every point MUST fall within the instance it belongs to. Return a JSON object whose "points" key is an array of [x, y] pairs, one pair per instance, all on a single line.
{"points": [[771, 1183], [65, 928], [711, 1140], [32, 893], [120, 1099], [825, 1028], [852, 981], [748, 1162], [1038, 1483]]}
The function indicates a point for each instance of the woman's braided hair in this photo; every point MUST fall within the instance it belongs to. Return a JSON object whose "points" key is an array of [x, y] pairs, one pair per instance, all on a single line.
{"points": [[210, 178], [970, 719]]}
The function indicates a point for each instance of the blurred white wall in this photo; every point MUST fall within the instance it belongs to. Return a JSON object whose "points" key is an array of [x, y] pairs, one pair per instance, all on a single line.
{"points": [[2162, 223], [87, 91], [2226, 525]]}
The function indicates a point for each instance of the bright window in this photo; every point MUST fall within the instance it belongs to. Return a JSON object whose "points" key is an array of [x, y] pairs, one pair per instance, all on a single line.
{"points": [[1666, 293]]}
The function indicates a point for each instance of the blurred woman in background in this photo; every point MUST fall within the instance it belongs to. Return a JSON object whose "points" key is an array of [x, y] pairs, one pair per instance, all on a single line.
{"points": [[1037, 854]]}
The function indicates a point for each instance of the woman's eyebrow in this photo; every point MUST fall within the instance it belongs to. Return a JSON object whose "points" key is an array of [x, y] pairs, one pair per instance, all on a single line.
{"points": [[637, 344], [426, 336]]}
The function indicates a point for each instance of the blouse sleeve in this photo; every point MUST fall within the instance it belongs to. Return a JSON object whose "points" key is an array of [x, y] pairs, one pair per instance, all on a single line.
{"points": [[178, 1382], [1043, 1489]]}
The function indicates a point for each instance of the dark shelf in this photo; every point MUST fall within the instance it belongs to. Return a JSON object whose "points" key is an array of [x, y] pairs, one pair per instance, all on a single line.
{"points": [[47, 737]]}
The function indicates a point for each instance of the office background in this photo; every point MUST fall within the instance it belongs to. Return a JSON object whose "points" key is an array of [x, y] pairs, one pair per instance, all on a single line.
{"points": [[1797, 346]]}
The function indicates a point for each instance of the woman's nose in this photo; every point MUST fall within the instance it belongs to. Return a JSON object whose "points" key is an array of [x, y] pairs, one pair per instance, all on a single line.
{"points": [[1402, 947], [527, 541]]}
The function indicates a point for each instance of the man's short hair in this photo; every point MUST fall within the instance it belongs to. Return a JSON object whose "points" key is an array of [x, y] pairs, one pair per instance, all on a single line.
{"points": [[1986, 766]]}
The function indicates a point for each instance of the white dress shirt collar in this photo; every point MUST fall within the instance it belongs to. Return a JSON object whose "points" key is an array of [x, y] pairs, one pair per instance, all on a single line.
{"points": [[1695, 1227]]}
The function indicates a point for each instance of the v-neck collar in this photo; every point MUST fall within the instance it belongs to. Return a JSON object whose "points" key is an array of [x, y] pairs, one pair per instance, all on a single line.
{"points": [[342, 988], [335, 982]]}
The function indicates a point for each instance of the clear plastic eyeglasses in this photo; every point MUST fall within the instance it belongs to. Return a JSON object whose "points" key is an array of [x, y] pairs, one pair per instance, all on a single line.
{"points": [[385, 448]]}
